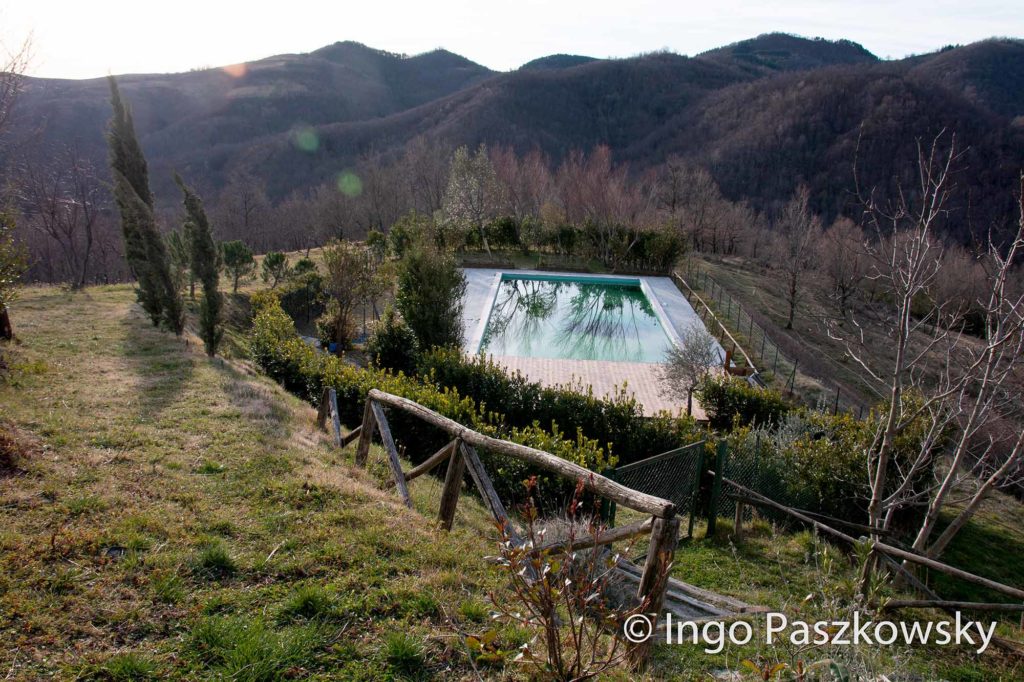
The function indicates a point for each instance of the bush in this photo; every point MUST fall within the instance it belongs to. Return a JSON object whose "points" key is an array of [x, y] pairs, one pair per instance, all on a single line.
{"points": [[815, 461], [729, 401], [810, 460], [393, 345], [302, 296], [276, 348], [429, 296], [617, 421]]}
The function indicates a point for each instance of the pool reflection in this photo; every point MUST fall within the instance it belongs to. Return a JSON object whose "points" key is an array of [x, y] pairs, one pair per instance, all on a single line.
{"points": [[574, 320]]}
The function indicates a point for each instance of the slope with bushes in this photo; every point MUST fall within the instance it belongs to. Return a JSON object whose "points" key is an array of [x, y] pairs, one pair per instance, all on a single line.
{"points": [[164, 515]]}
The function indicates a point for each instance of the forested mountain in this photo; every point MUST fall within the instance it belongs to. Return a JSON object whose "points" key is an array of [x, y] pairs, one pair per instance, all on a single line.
{"points": [[763, 115]]}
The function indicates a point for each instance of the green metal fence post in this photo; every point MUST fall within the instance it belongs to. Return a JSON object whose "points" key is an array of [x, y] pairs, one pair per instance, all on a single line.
{"points": [[716, 486], [695, 506]]}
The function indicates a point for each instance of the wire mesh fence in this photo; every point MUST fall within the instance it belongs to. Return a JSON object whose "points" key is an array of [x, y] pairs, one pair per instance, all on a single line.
{"points": [[752, 469], [672, 475], [771, 362]]}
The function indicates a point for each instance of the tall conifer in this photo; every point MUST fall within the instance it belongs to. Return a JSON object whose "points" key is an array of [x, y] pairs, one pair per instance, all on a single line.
{"points": [[204, 257], [145, 250]]}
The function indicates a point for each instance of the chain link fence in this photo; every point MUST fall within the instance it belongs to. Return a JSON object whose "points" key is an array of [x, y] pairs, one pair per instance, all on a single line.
{"points": [[672, 475], [771, 362], [683, 476]]}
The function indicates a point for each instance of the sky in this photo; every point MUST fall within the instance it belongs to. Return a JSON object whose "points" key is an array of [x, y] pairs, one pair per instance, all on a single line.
{"points": [[83, 39]]}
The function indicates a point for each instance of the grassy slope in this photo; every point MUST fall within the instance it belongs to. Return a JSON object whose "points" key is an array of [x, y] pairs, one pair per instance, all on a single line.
{"points": [[138, 441]]}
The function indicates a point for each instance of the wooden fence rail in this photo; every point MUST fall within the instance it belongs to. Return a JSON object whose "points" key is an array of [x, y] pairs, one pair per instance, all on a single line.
{"points": [[462, 457]]}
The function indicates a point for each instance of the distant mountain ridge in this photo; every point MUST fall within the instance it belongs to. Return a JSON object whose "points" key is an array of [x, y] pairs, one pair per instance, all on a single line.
{"points": [[763, 114]]}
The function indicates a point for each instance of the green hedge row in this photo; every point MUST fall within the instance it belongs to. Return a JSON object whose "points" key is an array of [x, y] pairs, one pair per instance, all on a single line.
{"points": [[278, 350], [617, 422]]}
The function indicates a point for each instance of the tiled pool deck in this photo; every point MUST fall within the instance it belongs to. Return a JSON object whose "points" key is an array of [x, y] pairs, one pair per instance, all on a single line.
{"points": [[640, 379]]}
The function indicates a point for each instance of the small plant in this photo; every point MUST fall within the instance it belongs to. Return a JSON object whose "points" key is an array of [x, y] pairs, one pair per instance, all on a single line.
{"points": [[168, 588], [310, 602], [215, 561], [404, 652], [567, 598], [86, 504], [208, 467], [247, 650], [127, 667], [393, 345], [474, 611]]}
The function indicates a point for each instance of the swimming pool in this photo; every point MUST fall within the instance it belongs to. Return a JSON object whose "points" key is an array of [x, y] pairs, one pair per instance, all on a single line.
{"points": [[578, 318]]}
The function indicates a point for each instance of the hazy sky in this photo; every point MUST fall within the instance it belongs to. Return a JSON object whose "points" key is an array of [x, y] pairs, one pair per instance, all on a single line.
{"points": [[83, 38]]}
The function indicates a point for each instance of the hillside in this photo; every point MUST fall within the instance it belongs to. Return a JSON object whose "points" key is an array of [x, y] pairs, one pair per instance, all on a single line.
{"points": [[173, 517], [202, 117], [763, 115]]}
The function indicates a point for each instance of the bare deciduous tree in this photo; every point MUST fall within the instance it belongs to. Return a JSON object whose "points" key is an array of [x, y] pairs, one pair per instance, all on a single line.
{"points": [[948, 389], [796, 240], [686, 366], [12, 75], [843, 261], [473, 196], [62, 203]]}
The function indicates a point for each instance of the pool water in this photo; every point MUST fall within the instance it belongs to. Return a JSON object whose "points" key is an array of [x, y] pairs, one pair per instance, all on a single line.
{"points": [[578, 319]]}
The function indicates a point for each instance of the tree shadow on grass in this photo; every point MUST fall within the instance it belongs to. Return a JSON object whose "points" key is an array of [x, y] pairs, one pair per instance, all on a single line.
{"points": [[159, 359], [985, 548]]}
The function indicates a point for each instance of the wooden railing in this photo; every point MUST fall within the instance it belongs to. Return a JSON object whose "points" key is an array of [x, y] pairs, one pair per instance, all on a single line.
{"points": [[461, 454]]}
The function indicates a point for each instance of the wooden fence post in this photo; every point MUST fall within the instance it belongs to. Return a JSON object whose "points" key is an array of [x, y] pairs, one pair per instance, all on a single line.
{"points": [[695, 504], [365, 435], [389, 446], [737, 522], [660, 555], [452, 486], [335, 417], [486, 490]]}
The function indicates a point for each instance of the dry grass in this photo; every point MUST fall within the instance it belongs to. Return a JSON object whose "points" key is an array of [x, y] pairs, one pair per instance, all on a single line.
{"points": [[180, 517], [172, 505]]}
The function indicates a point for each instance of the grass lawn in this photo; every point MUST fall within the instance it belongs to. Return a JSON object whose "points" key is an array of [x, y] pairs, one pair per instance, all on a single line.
{"points": [[169, 516], [175, 516]]}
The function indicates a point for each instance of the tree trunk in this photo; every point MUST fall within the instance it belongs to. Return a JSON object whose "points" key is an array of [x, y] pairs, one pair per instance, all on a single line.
{"points": [[792, 301], [689, 402], [85, 258], [483, 238], [6, 331]]}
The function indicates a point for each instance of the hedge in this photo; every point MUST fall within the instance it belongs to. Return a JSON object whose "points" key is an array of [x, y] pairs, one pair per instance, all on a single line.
{"points": [[729, 402], [278, 350], [617, 422]]}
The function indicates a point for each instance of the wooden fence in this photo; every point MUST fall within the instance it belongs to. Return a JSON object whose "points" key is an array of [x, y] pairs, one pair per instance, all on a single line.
{"points": [[461, 454]]}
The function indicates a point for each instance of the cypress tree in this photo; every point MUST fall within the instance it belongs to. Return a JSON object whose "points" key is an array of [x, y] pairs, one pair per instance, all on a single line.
{"points": [[145, 249], [204, 261]]}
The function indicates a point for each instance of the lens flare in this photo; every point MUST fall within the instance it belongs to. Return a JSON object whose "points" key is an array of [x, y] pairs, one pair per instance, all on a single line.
{"points": [[236, 70], [349, 184], [306, 139]]}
